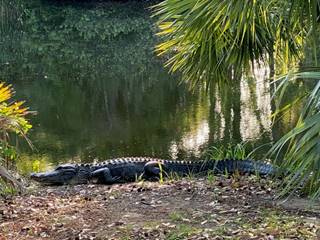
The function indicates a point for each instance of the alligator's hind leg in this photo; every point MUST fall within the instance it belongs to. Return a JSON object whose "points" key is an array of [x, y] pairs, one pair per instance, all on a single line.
{"points": [[153, 170], [104, 176]]}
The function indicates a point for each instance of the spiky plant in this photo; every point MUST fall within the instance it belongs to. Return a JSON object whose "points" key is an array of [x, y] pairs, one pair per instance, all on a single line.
{"points": [[237, 151], [301, 145], [210, 39]]}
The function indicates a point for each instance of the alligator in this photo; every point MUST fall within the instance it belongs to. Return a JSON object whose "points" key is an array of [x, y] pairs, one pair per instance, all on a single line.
{"points": [[129, 169]]}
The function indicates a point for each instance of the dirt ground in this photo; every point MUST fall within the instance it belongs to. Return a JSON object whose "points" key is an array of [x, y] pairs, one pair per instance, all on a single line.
{"points": [[210, 208]]}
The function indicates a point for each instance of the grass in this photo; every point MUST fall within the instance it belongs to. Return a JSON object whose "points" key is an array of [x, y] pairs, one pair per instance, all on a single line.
{"points": [[237, 151], [211, 177], [161, 180], [275, 223], [182, 232], [176, 216], [173, 176], [265, 223], [6, 189]]}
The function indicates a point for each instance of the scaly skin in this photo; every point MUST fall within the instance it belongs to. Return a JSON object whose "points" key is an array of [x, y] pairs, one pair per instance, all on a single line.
{"points": [[128, 169]]}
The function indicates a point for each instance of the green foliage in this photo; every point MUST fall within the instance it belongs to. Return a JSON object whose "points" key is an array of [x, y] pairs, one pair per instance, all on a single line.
{"points": [[8, 153], [177, 216], [6, 189], [211, 177], [74, 35], [27, 163], [301, 145], [209, 39], [183, 231], [237, 151], [161, 179], [12, 120], [12, 114]]}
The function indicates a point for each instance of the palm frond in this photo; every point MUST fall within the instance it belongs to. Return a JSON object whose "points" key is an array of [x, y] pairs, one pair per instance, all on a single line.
{"points": [[302, 144], [206, 39]]}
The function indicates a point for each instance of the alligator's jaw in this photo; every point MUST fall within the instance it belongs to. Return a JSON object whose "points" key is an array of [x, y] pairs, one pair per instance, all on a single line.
{"points": [[54, 177]]}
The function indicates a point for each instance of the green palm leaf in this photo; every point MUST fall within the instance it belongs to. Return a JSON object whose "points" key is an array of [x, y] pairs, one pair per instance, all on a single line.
{"points": [[206, 39], [302, 143]]}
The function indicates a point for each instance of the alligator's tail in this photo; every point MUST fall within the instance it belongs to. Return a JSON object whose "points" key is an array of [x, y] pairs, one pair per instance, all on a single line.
{"points": [[229, 166], [245, 166]]}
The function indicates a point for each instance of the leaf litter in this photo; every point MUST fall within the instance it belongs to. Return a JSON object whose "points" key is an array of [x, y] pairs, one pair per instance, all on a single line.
{"points": [[239, 207]]}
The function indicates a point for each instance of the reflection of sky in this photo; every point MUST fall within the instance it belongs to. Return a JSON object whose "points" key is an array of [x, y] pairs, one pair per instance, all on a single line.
{"points": [[198, 138], [218, 134], [192, 141], [255, 121], [255, 116]]}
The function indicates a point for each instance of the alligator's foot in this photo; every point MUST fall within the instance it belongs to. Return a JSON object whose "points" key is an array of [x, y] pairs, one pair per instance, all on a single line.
{"points": [[104, 176]]}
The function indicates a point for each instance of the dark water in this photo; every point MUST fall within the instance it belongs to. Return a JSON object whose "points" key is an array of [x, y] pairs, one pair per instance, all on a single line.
{"points": [[90, 72]]}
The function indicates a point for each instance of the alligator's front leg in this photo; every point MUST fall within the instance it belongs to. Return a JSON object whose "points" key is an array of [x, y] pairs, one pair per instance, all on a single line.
{"points": [[104, 176]]}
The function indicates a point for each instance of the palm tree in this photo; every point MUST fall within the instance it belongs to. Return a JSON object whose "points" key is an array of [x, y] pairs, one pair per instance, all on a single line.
{"points": [[208, 39]]}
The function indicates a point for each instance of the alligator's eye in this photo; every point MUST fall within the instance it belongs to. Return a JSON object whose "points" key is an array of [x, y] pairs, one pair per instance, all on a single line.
{"points": [[58, 168], [64, 168]]}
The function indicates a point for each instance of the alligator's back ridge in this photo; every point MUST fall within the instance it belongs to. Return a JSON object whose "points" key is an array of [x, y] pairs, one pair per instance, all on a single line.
{"points": [[129, 168]]}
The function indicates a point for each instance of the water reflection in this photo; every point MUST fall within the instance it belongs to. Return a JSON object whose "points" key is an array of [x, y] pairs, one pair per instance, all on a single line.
{"points": [[255, 107], [89, 70], [194, 140]]}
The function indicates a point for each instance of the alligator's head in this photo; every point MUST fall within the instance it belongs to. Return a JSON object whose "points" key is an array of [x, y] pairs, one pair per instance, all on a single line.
{"points": [[63, 174]]}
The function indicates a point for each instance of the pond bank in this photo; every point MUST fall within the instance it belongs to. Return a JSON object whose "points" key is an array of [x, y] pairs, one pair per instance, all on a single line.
{"points": [[219, 208]]}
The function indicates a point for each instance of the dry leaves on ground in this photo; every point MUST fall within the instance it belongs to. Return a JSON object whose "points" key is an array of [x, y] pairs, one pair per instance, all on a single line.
{"points": [[226, 208]]}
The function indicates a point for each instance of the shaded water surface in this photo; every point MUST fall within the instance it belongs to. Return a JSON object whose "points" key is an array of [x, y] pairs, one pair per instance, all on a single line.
{"points": [[90, 72]]}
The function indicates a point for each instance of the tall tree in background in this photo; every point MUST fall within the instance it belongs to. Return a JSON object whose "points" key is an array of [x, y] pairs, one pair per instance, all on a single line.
{"points": [[208, 40]]}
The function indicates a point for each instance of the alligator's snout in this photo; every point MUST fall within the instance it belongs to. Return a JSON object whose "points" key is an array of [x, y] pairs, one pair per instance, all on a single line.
{"points": [[39, 177], [61, 175], [34, 176], [45, 177]]}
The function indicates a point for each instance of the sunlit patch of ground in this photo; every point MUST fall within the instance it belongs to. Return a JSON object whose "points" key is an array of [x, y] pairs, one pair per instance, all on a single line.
{"points": [[214, 208]]}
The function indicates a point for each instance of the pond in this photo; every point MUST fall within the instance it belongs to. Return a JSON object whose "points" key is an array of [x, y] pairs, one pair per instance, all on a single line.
{"points": [[90, 71]]}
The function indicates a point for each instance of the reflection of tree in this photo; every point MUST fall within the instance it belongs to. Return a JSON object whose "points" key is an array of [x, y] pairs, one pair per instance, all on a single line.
{"points": [[289, 118], [10, 14], [236, 109], [233, 105], [91, 74], [225, 113]]}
